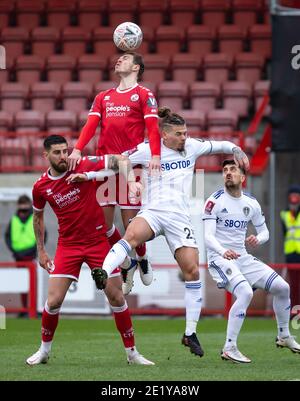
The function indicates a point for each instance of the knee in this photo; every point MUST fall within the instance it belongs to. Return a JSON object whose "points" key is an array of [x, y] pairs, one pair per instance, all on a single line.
{"points": [[130, 237], [54, 304], [244, 291], [281, 288], [191, 273], [117, 299]]}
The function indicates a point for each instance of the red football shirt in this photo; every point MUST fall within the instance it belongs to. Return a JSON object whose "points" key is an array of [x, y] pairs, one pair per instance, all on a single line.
{"points": [[79, 215], [123, 115]]}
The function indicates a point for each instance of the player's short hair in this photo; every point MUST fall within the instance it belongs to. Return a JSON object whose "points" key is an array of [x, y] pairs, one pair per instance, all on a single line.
{"points": [[138, 59], [231, 161], [23, 199], [168, 118], [54, 140]]}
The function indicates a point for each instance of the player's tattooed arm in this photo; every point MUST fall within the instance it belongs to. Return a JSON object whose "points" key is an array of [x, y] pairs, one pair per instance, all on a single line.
{"points": [[240, 158], [122, 164], [39, 231]]}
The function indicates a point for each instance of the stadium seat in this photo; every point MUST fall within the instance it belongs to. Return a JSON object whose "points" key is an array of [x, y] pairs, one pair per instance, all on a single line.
{"points": [[149, 85], [216, 67], [200, 39], [195, 120], [260, 40], [148, 40], [44, 41], [260, 89], [60, 68], [248, 67], [204, 96], [120, 11], [36, 158], [210, 163], [6, 8], [44, 96], [13, 39], [29, 13], [169, 39], [156, 66], [185, 67], [29, 68], [214, 12], [237, 96], [13, 96], [102, 42], [90, 13], [76, 96], [172, 94], [61, 121], [13, 154], [183, 12], [104, 86], [245, 12], [231, 39], [222, 121], [59, 12], [91, 68], [74, 41], [151, 13], [5, 74], [29, 121], [6, 121], [250, 144]]}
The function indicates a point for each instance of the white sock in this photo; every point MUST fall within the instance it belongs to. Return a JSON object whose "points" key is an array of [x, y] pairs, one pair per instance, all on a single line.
{"points": [[46, 346], [131, 351], [193, 303], [116, 256], [281, 305], [237, 313]]}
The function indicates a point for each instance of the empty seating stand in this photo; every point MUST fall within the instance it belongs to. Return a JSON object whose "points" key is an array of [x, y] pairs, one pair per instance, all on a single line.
{"points": [[29, 121], [214, 12], [204, 96], [120, 11], [195, 120], [74, 41], [231, 39], [222, 121], [60, 68], [102, 42], [59, 13], [29, 68], [237, 96], [14, 153], [76, 96], [151, 13], [14, 39], [245, 12], [172, 94], [91, 68], [29, 13], [13, 96], [91, 13], [183, 12], [185, 67], [260, 40], [59, 121], [200, 39], [217, 67], [156, 67], [6, 8], [169, 39], [249, 67], [44, 96], [44, 41]]}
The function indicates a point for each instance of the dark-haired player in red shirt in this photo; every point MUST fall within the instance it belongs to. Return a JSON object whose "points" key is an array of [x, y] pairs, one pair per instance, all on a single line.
{"points": [[123, 113], [82, 238]]}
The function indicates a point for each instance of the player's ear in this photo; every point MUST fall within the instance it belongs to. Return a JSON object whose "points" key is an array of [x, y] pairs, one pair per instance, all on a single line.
{"points": [[243, 177]]}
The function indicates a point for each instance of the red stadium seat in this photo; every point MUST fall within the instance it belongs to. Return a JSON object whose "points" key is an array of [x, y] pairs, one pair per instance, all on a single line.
{"points": [[156, 66], [200, 39], [216, 67], [172, 94], [13, 96], [204, 96], [151, 13], [76, 96], [236, 97], [211, 163], [44, 96], [13, 39], [6, 121], [4, 74], [13, 154], [169, 39], [245, 12], [74, 40], [148, 40], [195, 120], [150, 85], [121, 11], [44, 41], [29, 68], [59, 12], [37, 160], [29, 13], [91, 68], [214, 12], [102, 40], [222, 121], [261, 88], [6, 8], [59, 121], [29, 121], [261, 40], [248, 67], [183, 12], [104, 86], [90, 13], [231, 39], [60, 67], [185, 67]]}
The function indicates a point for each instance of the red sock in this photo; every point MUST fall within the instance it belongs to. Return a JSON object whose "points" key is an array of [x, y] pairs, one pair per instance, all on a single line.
{"points": [[113, 235], [141, 250], [124, 325], [49, 324]]}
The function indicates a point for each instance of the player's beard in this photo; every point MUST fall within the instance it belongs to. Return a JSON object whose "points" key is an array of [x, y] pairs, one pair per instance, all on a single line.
{"points": [[61, 167], [229, 184]]}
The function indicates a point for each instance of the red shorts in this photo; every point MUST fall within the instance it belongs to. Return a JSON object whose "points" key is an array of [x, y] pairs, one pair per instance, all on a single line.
{"points": [[68, 259], [113, 190]]}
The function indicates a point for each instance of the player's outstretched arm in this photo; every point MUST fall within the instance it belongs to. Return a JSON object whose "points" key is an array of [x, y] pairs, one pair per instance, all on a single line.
{"points": [[39, 231], [228, 148]]}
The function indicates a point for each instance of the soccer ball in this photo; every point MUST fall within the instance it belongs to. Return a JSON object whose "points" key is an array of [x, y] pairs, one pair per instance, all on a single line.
{"points": [[128, 36]]}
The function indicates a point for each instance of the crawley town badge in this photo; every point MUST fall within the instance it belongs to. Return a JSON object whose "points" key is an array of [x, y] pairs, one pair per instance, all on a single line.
{"points": [[135, 97]]}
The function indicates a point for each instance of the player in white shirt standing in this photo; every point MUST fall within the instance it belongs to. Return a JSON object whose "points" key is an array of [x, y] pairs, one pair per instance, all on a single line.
{"points": [[226, 215], [165, 210]]}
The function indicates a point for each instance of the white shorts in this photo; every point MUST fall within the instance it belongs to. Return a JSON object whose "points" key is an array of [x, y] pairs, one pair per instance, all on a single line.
{"points": [[177, 228], [247, 267]]}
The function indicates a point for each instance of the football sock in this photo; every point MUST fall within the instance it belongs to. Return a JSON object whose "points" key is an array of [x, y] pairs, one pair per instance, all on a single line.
{"points": [[193, 303], [116, 256], [124, 325], [113, 235], [281, 305], [141, 251], [49, 325]]}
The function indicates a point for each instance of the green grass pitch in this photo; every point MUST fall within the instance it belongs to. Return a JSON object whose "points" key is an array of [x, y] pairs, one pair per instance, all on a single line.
{"points": [[92, 350]]}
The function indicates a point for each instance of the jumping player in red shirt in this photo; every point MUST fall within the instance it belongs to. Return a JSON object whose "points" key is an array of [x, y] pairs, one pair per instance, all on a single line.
{"points": [[82, 238], [123, 113]]}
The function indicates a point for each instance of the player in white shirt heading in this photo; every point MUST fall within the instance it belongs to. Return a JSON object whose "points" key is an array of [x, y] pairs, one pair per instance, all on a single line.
{"points": [[227, 213], [165, 210]]}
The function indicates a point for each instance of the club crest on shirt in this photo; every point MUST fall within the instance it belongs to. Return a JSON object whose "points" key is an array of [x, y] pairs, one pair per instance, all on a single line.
{"points": [[246, 210], [135, 97], [209, 207]]}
